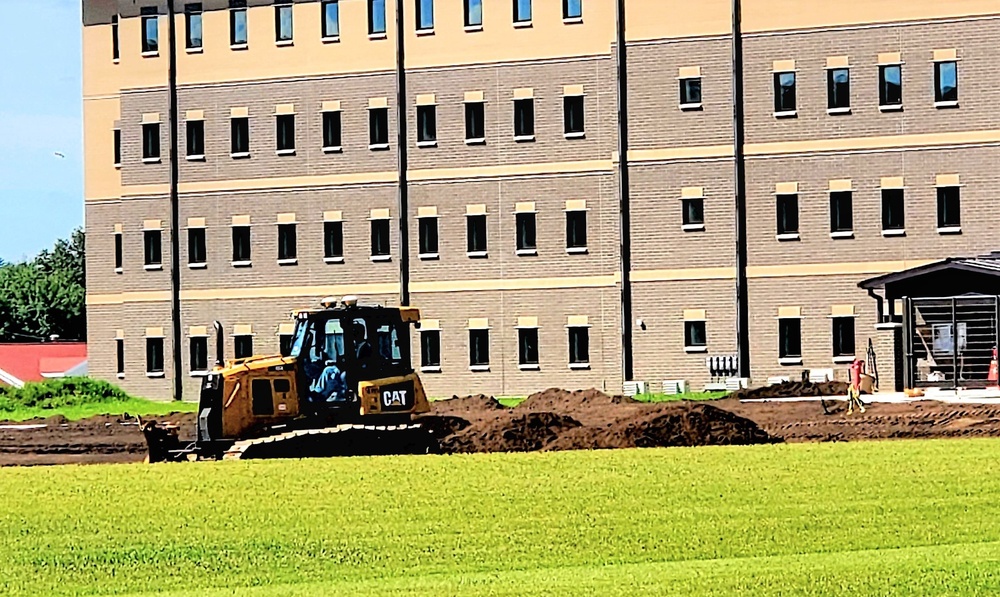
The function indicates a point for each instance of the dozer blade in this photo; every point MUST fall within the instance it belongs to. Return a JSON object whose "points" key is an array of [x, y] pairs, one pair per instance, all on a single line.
{"points": [[162, 443], [343, 440]]}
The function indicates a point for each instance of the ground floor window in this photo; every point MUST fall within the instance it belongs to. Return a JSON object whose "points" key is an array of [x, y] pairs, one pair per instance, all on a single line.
{"points": [[790, 338]]}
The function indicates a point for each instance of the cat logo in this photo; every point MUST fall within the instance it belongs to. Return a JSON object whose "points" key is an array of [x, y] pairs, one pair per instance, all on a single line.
{"points": [[394, 398]]}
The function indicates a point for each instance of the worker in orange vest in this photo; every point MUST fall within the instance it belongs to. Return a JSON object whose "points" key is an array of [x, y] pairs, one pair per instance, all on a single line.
{"points": [[854, 390]]}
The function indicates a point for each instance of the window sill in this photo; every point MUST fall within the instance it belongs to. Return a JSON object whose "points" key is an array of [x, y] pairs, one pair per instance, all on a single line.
{"points": [[150, 160], [579, 366], [572, 20], [478, 254], [284, 43], [691, 107], [238, 47], [243, 155], [288, 261], [381, 258], [522, 25], [198, 50], [197, 266], [473, 28], [479, 368], [692, 227], [153, 268], [150, 54], [199, 374], [790, 361], [888, 325], [577, 250], [333, 39], [891, 108], [950, 104], [526, 252], [377, 36], [337, 149], [950, 230], [695, 349], [578, 135], [155, 375], [429, 256], [787, 237], [378, 146], [425, 32], [119, 270], [242, 264], [838, 111], [434, 369], [894, 232], [427, 143], [475, 141], [787, 114], [844, 360], [534, 367], [333, 260], [842, 234], [524, 138], [196, 158], [284, 152]]}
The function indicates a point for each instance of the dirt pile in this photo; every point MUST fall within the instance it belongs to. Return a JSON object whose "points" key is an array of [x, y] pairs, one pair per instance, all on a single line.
{"points": [[526, 432], [795, 389]]}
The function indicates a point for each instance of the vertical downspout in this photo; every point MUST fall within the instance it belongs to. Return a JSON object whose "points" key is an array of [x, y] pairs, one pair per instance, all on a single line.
{"points": [[742, 290], [175, 258], [624, 208], [403, 200]]}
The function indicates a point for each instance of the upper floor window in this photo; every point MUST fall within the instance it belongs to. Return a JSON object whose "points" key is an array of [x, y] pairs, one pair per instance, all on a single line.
{"points": [[475, 122], [195, 139], [118, 147], [426, 125], [576, 231], [473, 13], [283, 20], [331, 19], [573, 116], [240, 129], [522, 11], [838, 89], [192, 26], [380, 239], [287, 243], [425, 15], [241, 244], [572, 9], [690, 93], [119, 252], [427, 228], [197, 248], [285, 134], [333, 241], [784, 93], [238, 22], [890, 85], [524, 119], [946, 83], [152, 249], [476, 235], [115, 48], [893, 211], [949, 209], [150, 30], [788, 216], [378, 128], [841, 214], [376, 17], [525, 234], [692, 213], [332, 131], [151, 142]]}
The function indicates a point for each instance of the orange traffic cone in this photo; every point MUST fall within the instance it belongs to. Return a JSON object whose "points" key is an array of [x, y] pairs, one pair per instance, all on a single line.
{"points": [[993, 378]]}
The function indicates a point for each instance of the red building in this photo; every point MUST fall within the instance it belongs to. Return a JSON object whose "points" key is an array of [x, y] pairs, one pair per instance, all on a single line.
{"points": [[25, 363]]}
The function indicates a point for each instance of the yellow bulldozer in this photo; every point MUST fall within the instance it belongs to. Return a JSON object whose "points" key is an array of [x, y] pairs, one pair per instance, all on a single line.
{"points": [[346, 387]]}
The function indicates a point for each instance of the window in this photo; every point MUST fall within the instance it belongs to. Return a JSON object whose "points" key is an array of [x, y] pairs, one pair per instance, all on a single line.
{"points": [[473, 13], [241, 245], [526, 233], [949, 207], [240, 136], [691, 92], [946, 83], [527, 342], [285, 342], [380, 238], [376, 17], [118, 147], [115, 48], [285, 133], [426, 125], [331, 131], [333, 241], [843, 337], [378, 128], [152, 248], [428, 237], [282, 21], [196, 139], [841, 213], [151, 142], [524, 119], [475, 122], [287, 245], [243, 346], [192, 25], [579, 346], [150, 30], [695, 336], [154, 356], [476, 234], [199, 354], [788, 215], [893, 214], [790, 339], [522, 11], [119, 251], [573, 116], [572, 9], [784, 93], [692, 213], [838, 89], [197, 247], [331, 19], [890, 85], [576, 231], [430, 349], [479, 348], [237, 22], [120, 350], [425, 15]]}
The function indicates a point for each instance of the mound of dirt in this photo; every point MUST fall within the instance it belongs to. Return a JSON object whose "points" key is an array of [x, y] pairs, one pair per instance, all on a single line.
{"points": [[555, 400], [476, 406], [441, 426], [795, 389], [528, 432]]}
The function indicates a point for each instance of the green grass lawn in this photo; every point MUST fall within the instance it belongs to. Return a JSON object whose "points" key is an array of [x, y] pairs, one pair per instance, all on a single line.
{"points": [[132, 406], [892, 518]]}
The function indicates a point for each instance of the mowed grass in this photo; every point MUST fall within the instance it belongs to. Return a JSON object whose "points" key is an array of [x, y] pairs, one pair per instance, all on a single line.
{"points": [[892, 518], [132, 406]]}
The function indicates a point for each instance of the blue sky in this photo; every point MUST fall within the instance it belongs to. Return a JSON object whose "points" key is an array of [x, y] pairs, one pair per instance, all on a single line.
{"points": [[41, 195]]}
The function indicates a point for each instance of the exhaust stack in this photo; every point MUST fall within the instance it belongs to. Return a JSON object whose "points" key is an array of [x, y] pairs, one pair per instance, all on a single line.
{"points": [[220, 345]]}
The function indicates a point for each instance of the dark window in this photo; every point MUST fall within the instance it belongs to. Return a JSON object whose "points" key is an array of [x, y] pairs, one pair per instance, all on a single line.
{"points": [[120, 349], [197, 250], [380, 238], [428, 236], [522, 11], [154, 355], [240, 135], [691, 92], [693, 211], [426, 124], [331, 18], [576, 229], [572, 9], [376, 17], [527, 341], [949, 207], [525, 231], [841, 211], [195, 138], [430, 348], [115, 48], [241, 244], [838, 88], [425, 14], [150, 29], [119, 251], [331, 130], [579, 346], [893, 214], [152, 247], [283, 20], [243, 346], [237, 22], [263, 399], [843, 336], [524, 118], [479, 348], [473, 13], [285, 342], [192, 29], [285, 132], [475, 121], [695, 335], [287, 249], [333, 240], [378, 126], [118, 147], [789, 338], [946, 82], [784, 92], [199, 354], [573, 115], [788, 214], [890, 87], [476, 233], [151, 141]]}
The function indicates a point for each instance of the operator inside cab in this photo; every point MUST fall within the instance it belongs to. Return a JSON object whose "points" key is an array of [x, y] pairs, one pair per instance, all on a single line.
{"points": [[324, 361]]}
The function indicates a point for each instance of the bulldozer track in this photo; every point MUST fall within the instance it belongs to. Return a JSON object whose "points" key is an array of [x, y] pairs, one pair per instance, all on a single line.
{"points": [[340, 440]]}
